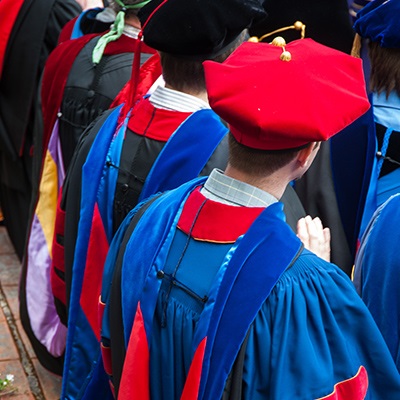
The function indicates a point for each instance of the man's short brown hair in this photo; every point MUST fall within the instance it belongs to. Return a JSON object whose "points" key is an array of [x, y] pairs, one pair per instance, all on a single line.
{"points": [[186, 74], [257, 162]]}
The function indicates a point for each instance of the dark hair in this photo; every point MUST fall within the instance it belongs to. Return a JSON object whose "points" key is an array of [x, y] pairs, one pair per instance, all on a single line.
{"points": [[385, 69], [259, 162], [129, 12], [186, 74]]}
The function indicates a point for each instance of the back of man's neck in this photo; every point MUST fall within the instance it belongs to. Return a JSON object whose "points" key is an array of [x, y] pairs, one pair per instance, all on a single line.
{"points": [[272, 184], [134, 21]]}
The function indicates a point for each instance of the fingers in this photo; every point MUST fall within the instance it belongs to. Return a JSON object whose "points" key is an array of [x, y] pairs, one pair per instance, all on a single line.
{"points": [[326, 245], [314, 227], [302, 232], [315, 237], [327, 235]]}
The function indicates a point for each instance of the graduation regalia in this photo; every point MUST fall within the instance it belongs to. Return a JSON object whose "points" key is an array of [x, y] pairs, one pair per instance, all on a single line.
{"points": [[74, 93], [204, 296], [103, 180], [163, 174], [113, 178], [33, 35], [70, 198], [383, 179], [125, 164], [377, 23], [221, 282], [134, 157], [376, 274]]}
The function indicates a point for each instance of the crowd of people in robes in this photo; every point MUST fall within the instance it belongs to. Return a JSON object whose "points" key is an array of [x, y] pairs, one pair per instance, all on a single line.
{"points": [[204, 195]]}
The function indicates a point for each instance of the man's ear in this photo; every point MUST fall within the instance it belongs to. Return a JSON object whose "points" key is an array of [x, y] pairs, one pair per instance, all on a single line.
{"points": [[306, 155]]}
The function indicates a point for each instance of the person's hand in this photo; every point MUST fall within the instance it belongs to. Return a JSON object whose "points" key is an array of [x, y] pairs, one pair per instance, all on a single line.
{"points": [[315, 237]]}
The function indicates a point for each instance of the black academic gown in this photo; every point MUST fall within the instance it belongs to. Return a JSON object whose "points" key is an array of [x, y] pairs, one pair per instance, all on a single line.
{"points": [[33, 37]]}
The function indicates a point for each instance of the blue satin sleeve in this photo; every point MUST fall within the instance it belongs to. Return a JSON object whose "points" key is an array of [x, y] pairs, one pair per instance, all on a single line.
{"points": [[313, 332], [377, 273]]}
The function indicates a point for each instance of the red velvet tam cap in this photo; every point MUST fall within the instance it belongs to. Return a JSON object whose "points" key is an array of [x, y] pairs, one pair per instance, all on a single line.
{"points": [[271, 104]]}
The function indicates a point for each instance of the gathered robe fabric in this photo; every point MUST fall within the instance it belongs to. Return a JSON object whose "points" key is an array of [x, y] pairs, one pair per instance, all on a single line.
{"points": [[311, 333], [376, 273]]}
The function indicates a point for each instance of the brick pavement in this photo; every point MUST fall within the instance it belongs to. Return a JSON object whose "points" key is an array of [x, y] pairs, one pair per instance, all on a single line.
{"points": [[32, 381]]}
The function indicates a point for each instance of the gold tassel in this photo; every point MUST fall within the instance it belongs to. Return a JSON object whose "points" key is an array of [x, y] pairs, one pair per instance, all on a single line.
{"points": [[298, 26], [280, 41], [356, 49]]}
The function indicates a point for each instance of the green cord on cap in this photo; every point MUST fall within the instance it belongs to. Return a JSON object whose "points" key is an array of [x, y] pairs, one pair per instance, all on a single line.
{"points": [[116, 30], [114, 33], [132, 6]]}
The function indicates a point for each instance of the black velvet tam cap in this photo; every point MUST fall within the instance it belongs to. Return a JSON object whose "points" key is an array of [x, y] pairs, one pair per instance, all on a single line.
{"points": [[197, 28]]}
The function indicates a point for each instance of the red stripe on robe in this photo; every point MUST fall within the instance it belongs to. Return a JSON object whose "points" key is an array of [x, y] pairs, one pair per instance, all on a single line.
{"points": [[354, 388], [135, 380], [92, 279], [192, 384], [106, 356]]}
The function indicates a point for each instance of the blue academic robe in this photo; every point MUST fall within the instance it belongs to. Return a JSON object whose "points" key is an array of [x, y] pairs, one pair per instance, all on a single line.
{"points": [[310, 333], [188, 146], [376, 274]]}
